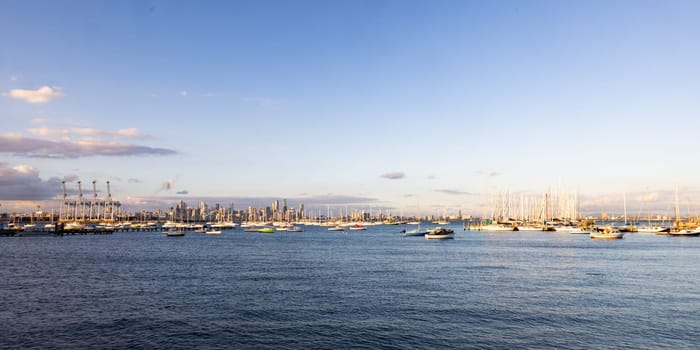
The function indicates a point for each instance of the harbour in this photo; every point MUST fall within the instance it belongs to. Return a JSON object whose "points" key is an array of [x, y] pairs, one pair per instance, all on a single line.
{"points": [[375, 289]]}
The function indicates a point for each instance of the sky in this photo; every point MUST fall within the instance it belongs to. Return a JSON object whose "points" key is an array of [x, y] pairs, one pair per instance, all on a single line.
{"points": [[392, 104]]}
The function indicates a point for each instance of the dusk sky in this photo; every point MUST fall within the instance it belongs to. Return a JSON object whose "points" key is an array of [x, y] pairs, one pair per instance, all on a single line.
{"points": [[394, 104]]}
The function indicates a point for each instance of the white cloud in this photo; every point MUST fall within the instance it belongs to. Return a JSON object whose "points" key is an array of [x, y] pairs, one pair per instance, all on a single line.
{"points": [[66, 133], [41, 95], [25, 169], [131, 132], [184, 93]]}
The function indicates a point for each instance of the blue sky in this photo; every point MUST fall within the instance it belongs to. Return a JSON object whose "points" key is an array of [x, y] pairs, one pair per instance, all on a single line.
{"points": [[319, 100]]}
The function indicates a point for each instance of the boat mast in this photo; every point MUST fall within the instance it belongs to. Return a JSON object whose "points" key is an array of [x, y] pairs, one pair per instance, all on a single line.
{"points": [[624, 205]]}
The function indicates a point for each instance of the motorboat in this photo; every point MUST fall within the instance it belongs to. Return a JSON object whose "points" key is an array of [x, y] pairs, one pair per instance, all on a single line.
{"points": [[336, 228], [658, 230], [440, 233], [357, 227], [607, 233], [214, 232], [295, 229], [686, 233], [267, 230], [173, 232]]}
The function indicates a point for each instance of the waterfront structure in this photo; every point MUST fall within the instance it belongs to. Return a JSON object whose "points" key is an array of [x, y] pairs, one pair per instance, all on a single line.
{"points": [[96, 210]]}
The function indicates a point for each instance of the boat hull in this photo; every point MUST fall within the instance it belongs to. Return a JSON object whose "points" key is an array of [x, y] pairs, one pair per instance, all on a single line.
{"points": [[414, 233], [603, 235], [685, 233], [447, 236]]}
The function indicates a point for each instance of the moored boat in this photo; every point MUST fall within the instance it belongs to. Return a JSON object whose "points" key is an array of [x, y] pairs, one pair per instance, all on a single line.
{"points": [[659, 230], [685, 233], [607, 233], [267, 230], [336, 228], [173, 232], [440, 233], [415, 232], [357, 227]]}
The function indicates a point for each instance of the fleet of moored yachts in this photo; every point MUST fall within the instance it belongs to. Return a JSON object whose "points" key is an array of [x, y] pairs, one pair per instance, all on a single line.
{"points": [[413, 229], [439, 232]]}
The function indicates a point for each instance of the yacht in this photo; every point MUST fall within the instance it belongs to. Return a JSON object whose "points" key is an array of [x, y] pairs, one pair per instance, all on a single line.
{"points": [[607, 233], [173, 232], [686, 233], [440, 233]]}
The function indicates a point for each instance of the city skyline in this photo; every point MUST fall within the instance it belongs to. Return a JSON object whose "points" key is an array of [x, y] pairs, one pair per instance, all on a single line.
{"points": [[392, 104]]}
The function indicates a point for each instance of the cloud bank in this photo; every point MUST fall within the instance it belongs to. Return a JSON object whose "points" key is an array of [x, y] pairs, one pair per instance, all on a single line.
{"points": [[41, 95], [22, 183], [40, 148]]}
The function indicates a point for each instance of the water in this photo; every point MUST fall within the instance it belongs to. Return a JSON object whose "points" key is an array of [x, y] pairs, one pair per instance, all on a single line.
{"points": [[367, 289]]}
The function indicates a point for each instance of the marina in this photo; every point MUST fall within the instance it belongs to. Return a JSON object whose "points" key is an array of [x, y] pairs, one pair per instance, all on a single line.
{"points": [[318, 289]]}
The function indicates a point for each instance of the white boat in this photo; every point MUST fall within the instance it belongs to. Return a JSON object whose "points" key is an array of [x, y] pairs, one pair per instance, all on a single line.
{"points": [[498, 228], [686, 233], [415, 232], [336, 228], [357, 227], [295, 229], [529, 228], [214, 232], [607, 233], [174, 233], [567, 229], [440, 233], [659, 230]]}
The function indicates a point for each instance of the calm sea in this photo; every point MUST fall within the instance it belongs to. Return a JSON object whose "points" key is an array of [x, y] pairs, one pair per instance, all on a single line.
{"points": [[332, 290]]}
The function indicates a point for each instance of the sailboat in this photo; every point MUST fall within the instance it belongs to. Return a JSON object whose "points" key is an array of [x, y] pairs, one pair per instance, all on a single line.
{"points": [[626, 228], [415, 232]]}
